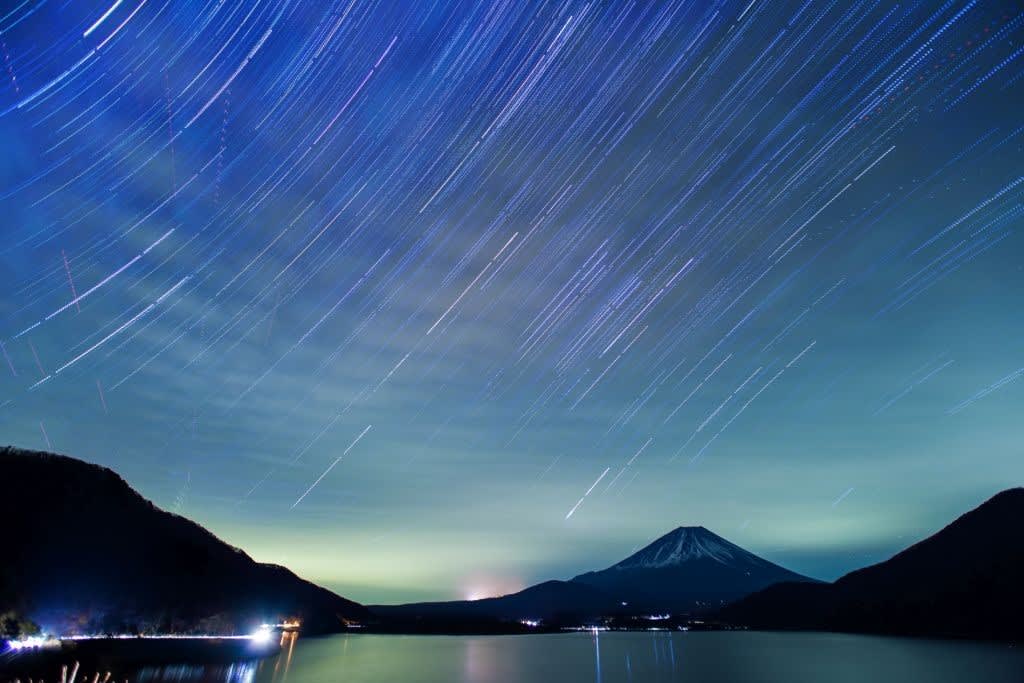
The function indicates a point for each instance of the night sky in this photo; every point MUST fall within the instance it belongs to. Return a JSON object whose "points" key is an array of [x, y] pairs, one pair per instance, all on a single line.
{"points": [[432, 300]]}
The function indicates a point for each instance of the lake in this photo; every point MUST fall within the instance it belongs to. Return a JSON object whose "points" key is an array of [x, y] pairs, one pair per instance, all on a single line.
{"points": [[614, 657]]}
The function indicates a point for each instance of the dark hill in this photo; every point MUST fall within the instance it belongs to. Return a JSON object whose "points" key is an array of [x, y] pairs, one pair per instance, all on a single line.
{"points": [[82, 550], [967, 580]]}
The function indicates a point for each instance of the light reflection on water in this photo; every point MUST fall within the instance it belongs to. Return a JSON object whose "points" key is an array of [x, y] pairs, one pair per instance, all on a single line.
{"points": [[242, 672], [238, 672], [615, 657]]}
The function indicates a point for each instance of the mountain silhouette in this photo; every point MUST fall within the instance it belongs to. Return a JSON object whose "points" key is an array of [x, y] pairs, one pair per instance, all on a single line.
{"points": [[689, 570], [82, 551], [967, 580]]}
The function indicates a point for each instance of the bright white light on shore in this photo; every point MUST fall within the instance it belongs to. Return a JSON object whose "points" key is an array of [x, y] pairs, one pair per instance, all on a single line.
{"points": [[30, 643], [262, 635]]}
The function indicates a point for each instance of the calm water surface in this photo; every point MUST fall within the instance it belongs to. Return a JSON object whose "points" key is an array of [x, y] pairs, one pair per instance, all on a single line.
{"points": [[618, 657]]}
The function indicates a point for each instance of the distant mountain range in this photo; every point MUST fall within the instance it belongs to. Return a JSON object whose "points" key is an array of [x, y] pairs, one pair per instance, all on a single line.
{"points": [[967, 580], [83, 551], [689, 570]]}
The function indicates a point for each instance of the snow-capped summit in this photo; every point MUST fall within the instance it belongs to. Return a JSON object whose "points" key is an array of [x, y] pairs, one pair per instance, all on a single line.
{"points": [[684, 544], [689, 568]]}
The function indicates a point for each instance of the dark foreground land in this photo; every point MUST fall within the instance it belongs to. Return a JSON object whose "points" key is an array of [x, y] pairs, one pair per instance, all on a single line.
{"points": [[94, 556]]}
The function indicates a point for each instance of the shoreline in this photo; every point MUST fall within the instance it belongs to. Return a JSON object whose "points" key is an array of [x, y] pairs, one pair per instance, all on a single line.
{"points": [[126, 655]]}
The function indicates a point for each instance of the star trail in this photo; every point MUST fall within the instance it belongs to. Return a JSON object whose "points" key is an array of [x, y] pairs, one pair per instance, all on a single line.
{"points": [[756, 264]]}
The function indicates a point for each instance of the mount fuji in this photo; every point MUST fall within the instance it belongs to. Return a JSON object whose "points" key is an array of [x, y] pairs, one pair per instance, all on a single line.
{"points": [[688, 569]]}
